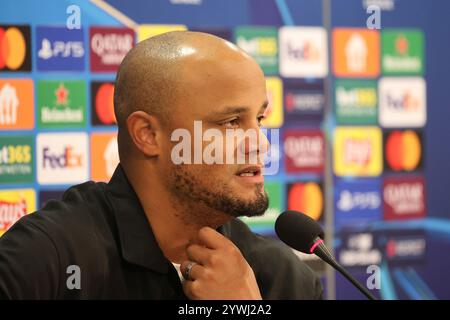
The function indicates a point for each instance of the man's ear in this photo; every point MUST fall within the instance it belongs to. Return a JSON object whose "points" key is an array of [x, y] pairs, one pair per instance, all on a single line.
{"points": [[145, 132]]}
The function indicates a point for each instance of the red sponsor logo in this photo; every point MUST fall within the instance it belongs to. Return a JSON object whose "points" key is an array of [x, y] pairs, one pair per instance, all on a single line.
{"points": [[404, 198], [10, 212], [108, 47], [304, 150]]}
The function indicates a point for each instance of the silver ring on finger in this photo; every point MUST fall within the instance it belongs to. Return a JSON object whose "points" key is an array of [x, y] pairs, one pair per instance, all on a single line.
{"points": [[187, 271]]}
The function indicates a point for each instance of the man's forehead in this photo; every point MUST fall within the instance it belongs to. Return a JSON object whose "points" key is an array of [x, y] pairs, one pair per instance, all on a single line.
{"points": [[228, 110]]}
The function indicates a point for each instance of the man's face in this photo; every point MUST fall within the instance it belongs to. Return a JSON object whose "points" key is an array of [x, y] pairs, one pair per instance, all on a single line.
{"points": [[224, 96]]}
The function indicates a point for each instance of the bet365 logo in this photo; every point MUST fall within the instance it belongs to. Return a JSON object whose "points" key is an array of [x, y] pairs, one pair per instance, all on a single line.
{"points": [[16, 159]]}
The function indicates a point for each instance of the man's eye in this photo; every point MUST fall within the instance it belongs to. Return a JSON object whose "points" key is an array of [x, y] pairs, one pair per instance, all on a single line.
{"points": [[260, 119], [232, 123]]}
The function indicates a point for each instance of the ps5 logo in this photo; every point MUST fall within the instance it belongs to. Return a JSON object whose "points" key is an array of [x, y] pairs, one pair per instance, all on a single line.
{"points": [[69, 49], [358, 200]]}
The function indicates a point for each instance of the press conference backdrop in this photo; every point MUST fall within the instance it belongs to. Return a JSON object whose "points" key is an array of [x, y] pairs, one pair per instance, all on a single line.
{"points": [[362, 116]]}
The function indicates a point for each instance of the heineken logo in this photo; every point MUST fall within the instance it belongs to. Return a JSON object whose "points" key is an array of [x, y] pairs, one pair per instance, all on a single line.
{"points": [[62, 103], [402, 51]]}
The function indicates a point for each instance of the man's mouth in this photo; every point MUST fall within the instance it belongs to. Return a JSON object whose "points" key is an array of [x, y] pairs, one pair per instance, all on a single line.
{"points": [[249, 171], [251, 174]]}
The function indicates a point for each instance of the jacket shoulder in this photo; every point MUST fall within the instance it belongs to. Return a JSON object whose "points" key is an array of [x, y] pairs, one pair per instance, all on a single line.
{"points": [[280, 273]]}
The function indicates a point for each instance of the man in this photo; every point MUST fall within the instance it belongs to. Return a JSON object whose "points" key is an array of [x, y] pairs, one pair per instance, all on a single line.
{"points": [[126, 239]]}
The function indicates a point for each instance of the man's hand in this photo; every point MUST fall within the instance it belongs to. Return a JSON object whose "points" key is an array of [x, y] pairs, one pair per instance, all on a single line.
{"points": [[220, 272]]}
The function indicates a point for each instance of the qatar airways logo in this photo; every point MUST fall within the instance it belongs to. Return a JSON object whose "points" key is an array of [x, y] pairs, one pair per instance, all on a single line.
{"points": [[309, 147], [404, 199], [231, 146], [304, 151], [109, 46]]}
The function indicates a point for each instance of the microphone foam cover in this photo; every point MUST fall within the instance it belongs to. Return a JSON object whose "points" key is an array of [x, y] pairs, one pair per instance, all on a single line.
{"points": [[297, 230]]}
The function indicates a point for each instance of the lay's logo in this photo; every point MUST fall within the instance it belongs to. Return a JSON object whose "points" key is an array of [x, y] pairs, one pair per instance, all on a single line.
{"points": [[15, 46], [14, 204], [357, 151]]}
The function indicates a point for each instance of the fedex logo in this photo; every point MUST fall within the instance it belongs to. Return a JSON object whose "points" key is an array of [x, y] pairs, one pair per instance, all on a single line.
{"points": [[68, 159], [60, 49], [406, 101], [308, 51], [402, 102], [62, 158], [303, 52]]}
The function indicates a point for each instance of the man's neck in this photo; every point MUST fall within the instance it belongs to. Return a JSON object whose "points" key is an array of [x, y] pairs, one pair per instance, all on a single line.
{"points": [[175, 223]]}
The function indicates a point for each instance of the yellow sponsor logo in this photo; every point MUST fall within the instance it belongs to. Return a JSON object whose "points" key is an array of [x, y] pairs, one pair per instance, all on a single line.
{"points": [[14, 204], [358, 151], [150, 30], [274, 112]]}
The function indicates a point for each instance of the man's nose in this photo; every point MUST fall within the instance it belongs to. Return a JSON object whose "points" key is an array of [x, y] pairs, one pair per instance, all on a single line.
{"points": [[259, 146]]}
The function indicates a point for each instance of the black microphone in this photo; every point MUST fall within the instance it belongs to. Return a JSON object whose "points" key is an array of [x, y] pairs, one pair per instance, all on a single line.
{"points": [[304, 234]]}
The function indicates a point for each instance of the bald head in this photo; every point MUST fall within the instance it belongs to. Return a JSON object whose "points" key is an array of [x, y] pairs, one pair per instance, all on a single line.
{"points": [[151, 79], [180, 73]]}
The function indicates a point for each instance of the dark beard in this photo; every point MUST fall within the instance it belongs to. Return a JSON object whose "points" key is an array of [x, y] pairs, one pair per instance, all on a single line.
{"points": [[186, 187]]}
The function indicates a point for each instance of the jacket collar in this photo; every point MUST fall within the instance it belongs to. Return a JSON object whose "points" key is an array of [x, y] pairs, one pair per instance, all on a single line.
{"points": [[138, 243]]}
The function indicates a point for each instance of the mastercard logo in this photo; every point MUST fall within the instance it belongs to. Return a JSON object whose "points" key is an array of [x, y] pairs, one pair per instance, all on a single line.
{"points": [[307, 198], [14, 48], [103, 103], [403, 150]]}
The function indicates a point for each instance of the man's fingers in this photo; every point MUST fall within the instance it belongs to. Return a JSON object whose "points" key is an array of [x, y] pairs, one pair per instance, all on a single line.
{"points": [[212, 239], [189, 288], [199, 253]]}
